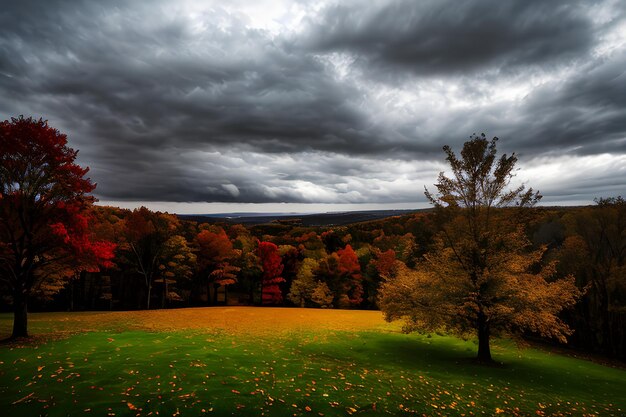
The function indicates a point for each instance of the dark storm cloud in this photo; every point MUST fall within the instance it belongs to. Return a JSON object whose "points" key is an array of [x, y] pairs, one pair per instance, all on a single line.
{"points": [[137, 89], [168, 107], [434, 37], [583, 115], [159, 82]]}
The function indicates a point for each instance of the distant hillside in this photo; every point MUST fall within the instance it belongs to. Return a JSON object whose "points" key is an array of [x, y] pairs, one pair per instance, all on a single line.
{"points": [[317, 219]]}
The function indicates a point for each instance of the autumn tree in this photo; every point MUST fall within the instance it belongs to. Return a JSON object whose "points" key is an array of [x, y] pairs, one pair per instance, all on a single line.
{"points": [[327, 272], [146, 233], [91, 250], [302, 287], [379, 266], [351, 279], [481, 276], [341, 272], [272, 266], [177, 265], [215, 260], [322, 295], [311, 245], [44, 203], [385, 263], [403, 246], [291, 259], [248, 262]]}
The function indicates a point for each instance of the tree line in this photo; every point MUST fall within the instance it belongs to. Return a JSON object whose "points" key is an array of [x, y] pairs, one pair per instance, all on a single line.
{"points": [[485, 261], [161, 261]]}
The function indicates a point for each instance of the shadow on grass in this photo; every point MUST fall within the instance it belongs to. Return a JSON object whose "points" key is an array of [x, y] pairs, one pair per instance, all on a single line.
{"points": [[11, 341], [453, 361]]}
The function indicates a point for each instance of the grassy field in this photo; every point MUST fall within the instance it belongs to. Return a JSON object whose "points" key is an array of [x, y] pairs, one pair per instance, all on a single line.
{"points": [[248, 361]]}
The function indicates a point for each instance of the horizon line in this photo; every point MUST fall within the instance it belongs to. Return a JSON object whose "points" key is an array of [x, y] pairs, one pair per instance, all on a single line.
{"points": [[206, 209]]}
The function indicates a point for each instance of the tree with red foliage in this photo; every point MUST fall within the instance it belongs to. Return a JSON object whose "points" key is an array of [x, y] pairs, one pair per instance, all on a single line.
{"points": [[44, 203], [385, 263], [88, 252], [215, 252], [350, 271], [272, 266]]}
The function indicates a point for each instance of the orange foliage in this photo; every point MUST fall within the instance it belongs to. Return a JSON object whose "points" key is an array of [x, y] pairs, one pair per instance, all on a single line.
{"points": [[213, 248], [350, 269]]}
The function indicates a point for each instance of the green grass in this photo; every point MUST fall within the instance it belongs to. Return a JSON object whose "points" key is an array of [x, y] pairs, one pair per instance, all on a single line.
{"points": [[315, 369]]}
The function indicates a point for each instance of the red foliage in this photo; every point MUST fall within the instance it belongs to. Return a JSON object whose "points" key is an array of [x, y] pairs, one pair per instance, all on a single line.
{"points": [[348, 262], [44, 196], [44, 206], [143, 223], [138, 224], [89, 254], [272, 266], [104, 253], [350, 269], [385, 263], [36, 151]]}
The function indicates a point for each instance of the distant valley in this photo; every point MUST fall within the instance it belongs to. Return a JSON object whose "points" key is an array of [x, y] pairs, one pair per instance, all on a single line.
{"points": [[304, 219]]}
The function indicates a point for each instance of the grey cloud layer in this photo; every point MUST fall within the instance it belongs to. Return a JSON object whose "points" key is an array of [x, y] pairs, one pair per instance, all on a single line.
{"points": [[451, 37], [164, 107]]}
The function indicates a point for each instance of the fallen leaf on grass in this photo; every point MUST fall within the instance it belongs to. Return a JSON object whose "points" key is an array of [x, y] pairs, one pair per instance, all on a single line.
{"points": [[23, 398]]}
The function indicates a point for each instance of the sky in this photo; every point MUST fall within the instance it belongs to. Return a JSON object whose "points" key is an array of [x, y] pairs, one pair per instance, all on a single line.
{"points": [[306, 106]]}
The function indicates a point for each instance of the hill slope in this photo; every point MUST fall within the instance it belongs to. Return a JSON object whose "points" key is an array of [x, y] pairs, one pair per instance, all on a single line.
{"points": [[279, 361]]}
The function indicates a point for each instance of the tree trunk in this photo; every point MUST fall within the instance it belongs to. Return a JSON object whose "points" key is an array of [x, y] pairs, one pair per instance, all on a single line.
{"points": [[605, 315], [484, 352], [163, 295], [215, 288], [165, 299], [72, 285], [20, 315], [149, 294]]}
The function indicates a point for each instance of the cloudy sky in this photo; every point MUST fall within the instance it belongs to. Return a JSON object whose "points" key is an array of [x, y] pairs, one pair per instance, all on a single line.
{"points": [[314, 105]]}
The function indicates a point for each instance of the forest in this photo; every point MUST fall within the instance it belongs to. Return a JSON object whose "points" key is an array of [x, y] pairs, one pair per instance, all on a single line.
{"points": [[163, 262]]}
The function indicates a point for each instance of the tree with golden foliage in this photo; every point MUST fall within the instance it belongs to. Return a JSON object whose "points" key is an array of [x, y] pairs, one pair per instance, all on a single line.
{"points": [[481, 276], [322, 295], [177, 265], [302, 287]]}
